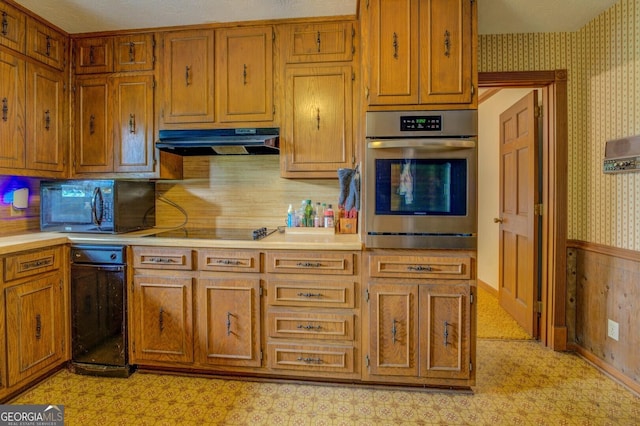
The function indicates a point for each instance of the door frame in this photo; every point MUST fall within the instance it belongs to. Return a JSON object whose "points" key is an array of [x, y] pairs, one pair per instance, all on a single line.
{"points": [[553, 260]]}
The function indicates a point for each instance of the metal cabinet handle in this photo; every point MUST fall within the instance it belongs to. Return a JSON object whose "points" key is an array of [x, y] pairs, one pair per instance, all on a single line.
{"points": [[446, 333], [228, 262], [447, 43], [310, 360], [229, 323], [318, 41], [5, 109], [161, 319], [309, 327], [5, 24], [310, 294], [92, 124], [38, 327], [395, 45], [132, 123], [419, 268], [187, 71], [308, 264], [132, 52], [47, 120], [394, 331], [48, 49], [318, 117], [92, 58], [161, 260], [244, 74], [498, 220]]}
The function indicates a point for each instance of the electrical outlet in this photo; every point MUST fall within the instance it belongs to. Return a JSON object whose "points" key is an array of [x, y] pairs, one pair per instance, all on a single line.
{"points": [[612, 330]]}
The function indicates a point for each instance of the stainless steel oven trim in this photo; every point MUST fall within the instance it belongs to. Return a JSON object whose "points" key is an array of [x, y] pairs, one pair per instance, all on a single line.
{"points": [[431, 144]]}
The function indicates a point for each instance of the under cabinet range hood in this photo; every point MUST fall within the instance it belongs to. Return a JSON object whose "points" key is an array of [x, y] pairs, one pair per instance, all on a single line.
{"points": [[245, 141]]}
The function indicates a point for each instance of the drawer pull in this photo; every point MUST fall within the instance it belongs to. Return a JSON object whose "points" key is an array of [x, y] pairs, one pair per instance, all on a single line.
{"points": [[132, 52], [309, 264], [446, 333], [5, 24], [5, 109], [38, 326], [394, 331], [228, 262], [310, 360], [419, 268], [310, 294], [161, 319], [161, 260], [309, 327], [228, 323]]}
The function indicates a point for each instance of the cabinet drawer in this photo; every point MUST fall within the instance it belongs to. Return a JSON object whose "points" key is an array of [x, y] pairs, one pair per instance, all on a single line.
{"points": [[26, 264], [227, 260], [162, 258], [319, 294], [420, 267], [335, 359], [310, 262], [300, 325]]}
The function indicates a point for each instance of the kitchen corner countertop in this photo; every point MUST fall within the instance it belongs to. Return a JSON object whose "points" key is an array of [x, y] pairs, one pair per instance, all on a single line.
{"points": [[275, 241]]}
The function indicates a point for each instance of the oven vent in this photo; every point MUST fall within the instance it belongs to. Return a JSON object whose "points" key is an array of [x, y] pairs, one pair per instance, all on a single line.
{"points": [[622, 155]]}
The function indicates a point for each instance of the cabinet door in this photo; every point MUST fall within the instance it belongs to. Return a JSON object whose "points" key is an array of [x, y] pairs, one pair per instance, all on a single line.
{"points": [[12, 119], [229, 321], [393, 324], [93, 144], [46, 44], [394, 40], [13, 27], [318, 136], [245, 74], [93, 55], [35, 315], [445, 51], [134, 53], [46, 138], [188, 77], [445, 327], [132, 111], [162, 319], [324, 42]]}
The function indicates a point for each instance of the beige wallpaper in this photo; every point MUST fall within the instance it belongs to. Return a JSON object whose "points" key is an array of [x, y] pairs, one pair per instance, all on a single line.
{"points": [[603, 64]]}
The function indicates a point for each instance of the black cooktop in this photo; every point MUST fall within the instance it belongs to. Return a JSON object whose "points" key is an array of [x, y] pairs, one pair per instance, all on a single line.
{"points": [[216, 233]]}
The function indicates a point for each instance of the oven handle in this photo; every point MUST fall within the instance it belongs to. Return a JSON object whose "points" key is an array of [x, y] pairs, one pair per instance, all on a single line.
{"points": [[439, 144]]}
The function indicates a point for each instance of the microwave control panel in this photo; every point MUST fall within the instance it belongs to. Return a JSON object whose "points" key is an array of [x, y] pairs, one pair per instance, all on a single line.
{"points": [[621, 165], [422, 123]]}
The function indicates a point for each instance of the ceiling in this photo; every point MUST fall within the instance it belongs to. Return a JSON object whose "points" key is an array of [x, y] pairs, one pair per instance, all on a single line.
{"points": [[494, 16]]}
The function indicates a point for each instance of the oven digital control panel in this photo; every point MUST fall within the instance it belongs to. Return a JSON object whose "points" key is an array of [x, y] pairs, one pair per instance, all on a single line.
{"points": [[421, 123]]}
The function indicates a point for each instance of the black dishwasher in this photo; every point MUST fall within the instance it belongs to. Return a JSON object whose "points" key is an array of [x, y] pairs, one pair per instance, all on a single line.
{"points": [[98, 310]]}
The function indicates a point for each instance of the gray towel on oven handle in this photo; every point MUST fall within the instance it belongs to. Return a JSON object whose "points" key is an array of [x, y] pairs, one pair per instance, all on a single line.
{"points": [[349, 188]]}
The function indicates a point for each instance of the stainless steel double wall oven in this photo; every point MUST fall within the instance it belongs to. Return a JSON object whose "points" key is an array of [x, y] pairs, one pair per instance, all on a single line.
{"points": [[420, 189]]}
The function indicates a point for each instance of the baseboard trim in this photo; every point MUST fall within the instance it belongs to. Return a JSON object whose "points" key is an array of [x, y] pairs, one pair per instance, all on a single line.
{"points": [[608, 369], [486, 287]]}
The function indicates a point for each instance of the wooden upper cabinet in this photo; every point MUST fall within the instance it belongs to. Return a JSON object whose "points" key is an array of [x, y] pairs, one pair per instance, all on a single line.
{"points": [[420, 52], [318, 135], [132, 110], [324, 42], [93, 55], [244, 62], [446, 51], [12, 108], [46, 44], [188, 79], [134, 53], [46, 138], [12, 29], [93, 138]]}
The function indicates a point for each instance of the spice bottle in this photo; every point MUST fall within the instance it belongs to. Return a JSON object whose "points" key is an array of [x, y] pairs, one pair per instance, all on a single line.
{"points": [[329, 220]]}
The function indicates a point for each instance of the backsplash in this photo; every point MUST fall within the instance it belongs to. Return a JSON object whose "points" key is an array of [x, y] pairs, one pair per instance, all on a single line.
{"points": [[236, 192], [603, 64]]}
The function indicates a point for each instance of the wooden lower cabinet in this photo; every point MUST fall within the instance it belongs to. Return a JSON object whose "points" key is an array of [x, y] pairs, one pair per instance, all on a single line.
{"points": [[33, 320], [229, 321], [420, 325]]}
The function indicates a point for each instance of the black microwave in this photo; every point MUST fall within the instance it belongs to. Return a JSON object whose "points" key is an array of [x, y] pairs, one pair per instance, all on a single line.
{"points": [[97, 206]]}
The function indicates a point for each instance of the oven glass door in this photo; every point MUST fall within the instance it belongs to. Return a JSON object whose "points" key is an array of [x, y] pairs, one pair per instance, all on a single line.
{"points": [[421, 187]]}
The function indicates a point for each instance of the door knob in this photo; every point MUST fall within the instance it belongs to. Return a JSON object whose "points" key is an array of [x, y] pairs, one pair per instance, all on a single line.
{"points": [[497, 220]]}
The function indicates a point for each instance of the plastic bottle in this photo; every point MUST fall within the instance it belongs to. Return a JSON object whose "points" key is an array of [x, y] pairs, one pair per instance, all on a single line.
{"points": [[320, 212], [291, 217], [329, 220]]}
